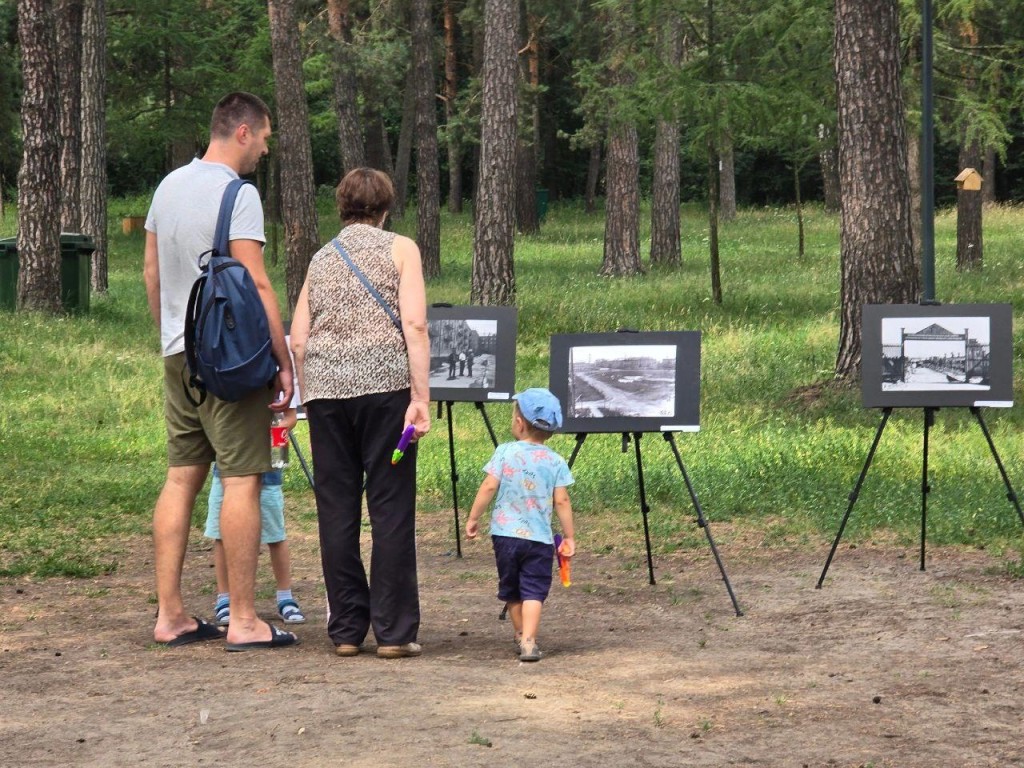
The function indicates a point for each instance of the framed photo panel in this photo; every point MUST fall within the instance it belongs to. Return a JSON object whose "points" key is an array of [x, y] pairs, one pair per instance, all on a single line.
{"points": [[472, 353], [627, 382], [917, 356]]}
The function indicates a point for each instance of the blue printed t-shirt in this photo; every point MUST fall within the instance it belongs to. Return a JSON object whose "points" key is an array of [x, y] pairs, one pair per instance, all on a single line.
{"points": [[527, 475]]}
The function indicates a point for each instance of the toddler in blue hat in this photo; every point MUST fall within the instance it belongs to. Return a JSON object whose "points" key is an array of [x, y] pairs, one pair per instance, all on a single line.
{"points": [[527, 482]]}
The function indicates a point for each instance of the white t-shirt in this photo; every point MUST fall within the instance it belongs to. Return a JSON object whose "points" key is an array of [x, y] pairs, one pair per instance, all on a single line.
{"points": [[183, 215]]}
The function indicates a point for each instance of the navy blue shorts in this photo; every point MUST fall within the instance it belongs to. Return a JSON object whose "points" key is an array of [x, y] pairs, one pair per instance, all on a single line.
{"points": [[524, 568]]}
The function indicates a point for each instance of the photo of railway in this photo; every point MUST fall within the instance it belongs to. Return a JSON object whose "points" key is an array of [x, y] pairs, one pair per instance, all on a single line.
{"points": [[616, 381], [936, 354]]}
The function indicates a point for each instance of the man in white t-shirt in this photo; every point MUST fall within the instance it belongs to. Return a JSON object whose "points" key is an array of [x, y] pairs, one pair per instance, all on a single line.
{"points": [[179, 227]]}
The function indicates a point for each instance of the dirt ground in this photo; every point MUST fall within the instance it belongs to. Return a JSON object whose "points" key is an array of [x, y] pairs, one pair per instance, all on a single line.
{"points": [[884, 666]]}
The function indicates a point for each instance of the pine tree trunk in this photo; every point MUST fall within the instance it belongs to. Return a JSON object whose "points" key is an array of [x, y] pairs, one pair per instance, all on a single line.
{"points": [[665, 237], [876, 252], [428, 172], [69, 76], [622, 183], [94, 137], [988, 173], [295, 153], [477, 40], [404, 152], [622, 206], [969, 241], [346, 103], [527, 220], [450, 96], [493, 243], [914, 182], [593, 176], [828, 158], [727, 180], [378, 147], [799, 212], [527, 215], [714, 165], [39, 178]]}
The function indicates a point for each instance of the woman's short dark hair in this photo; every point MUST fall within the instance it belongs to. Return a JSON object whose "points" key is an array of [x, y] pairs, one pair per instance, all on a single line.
{"points": [[364, 195]]}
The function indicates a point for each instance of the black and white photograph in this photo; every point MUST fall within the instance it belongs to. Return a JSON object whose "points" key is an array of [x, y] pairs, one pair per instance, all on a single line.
{"points": [[935, 353], [627, 382], [472, 353], [622, 381], [933, 356]]}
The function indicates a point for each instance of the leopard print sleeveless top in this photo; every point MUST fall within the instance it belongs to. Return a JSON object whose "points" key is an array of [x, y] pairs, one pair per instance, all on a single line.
{"points": [[353, 348]]}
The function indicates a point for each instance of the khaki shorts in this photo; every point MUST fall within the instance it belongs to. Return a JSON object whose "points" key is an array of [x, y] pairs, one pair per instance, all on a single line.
{"points": [[235, 435]]}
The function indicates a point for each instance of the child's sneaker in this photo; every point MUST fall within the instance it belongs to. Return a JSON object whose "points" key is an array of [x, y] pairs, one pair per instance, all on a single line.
{"points": [[222, 613], [290, 612], [529, 651]]}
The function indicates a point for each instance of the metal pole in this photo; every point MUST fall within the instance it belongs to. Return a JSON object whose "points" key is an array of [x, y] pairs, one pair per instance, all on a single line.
{"points": [[927, 159]]}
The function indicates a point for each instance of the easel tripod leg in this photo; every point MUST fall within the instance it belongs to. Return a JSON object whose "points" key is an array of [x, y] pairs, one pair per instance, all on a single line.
{"points": [[455, 478], [1010, 493], [302, 459], [702, 522], [487, 423], [929, 421], [886, 413], [644, 509]]}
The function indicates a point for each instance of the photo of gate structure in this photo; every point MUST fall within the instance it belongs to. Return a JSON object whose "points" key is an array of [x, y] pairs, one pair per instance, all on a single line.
{"points": [[934, 356], [472, 353], [935, 353], [622, 381]]}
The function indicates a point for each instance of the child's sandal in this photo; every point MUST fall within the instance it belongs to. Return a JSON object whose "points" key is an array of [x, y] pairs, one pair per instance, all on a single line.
{"points": [[290, 612], [222, 613]]}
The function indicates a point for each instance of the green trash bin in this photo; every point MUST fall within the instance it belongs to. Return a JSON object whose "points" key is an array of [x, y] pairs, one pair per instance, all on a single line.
{"points": [[8, 273], [542, 204], [75, 272]]}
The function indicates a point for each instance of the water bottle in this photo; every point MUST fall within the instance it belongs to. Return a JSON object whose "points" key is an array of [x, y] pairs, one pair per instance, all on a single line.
{"points": [[278, 441]]}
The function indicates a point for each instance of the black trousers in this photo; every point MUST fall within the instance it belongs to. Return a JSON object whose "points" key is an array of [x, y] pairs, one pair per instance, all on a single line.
{"points": [[350, 439]]}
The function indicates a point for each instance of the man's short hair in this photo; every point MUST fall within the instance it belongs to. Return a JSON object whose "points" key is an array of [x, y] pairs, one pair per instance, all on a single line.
{"points": [[236, 109]]}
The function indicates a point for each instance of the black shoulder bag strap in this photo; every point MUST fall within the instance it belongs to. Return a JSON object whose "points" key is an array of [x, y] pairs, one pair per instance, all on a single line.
{"points": [[221, 247], [366, 283]]}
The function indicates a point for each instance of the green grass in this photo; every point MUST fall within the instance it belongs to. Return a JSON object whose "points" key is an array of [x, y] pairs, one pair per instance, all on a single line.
{"points": [[82, 436]]}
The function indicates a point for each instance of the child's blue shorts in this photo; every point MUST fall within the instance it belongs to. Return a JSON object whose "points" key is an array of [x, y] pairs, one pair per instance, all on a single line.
{"points": [[524, 568]]}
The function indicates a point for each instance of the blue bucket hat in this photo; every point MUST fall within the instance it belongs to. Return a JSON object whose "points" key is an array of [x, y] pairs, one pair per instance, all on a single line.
{"points": [[540, 408]]}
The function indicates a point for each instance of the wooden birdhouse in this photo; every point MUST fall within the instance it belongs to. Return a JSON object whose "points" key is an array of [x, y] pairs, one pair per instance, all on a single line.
{"points": [[969, 180]]}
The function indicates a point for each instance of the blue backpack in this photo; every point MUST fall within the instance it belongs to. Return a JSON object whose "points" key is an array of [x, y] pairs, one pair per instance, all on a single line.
{"points": [[227, 335]]}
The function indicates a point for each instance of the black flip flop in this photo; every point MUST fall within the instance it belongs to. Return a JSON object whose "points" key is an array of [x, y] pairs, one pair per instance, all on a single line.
{"points": [[203, 631], [278, 639]]}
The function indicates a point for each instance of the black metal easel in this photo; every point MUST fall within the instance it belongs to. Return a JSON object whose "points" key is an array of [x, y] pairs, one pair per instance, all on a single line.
{"points": [[451, 460], [645, 509], [929, 421], [302, 459]]}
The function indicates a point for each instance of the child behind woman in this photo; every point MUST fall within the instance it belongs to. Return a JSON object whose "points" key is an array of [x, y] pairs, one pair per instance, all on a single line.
{"points": [[271, 533]]}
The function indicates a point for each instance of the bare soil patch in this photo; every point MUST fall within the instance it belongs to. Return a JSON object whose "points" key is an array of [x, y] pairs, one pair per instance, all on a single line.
{"points": [[884, 666]]}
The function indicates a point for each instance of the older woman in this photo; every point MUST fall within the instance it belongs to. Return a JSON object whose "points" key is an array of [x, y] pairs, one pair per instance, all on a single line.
{"points": [[363, 380]]}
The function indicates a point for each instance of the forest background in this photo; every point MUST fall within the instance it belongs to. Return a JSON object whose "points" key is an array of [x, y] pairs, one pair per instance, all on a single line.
{"points": [[742, 96]]}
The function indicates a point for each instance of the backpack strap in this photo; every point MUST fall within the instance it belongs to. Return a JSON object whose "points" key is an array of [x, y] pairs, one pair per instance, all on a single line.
{"points": [[221, 243], [221, 247], [366, 283], [191, 363]]}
